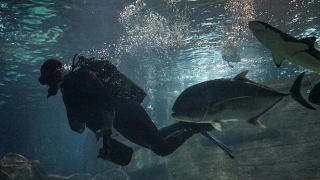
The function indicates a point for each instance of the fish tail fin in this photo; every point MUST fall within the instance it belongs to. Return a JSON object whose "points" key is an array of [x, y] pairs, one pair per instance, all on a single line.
{"points": [[296, 94]]}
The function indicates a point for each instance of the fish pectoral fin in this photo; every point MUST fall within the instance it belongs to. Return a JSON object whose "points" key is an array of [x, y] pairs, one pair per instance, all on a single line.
{"points": [[227, 120], [216, 126], [255, 121]]}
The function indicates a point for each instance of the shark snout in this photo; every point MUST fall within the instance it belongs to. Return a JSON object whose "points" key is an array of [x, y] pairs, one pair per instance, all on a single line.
{"points": [[255, 26]]}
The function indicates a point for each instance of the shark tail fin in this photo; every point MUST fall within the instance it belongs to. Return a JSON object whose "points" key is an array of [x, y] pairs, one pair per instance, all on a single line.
{"points": [[296, 94]]}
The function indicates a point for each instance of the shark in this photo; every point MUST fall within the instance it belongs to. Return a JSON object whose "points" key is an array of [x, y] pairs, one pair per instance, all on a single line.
{"points": [[284, 46], [231, 99]]}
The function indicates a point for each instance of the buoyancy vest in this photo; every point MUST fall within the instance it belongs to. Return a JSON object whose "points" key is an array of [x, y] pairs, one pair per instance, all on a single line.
{"points": [[117, 85]]}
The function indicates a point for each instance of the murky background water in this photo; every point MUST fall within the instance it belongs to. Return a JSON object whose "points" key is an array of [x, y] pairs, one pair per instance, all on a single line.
{"points": [[165, 46]]}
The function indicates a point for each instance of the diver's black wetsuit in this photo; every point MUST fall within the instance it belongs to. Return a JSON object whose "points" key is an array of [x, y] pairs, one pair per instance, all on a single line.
{"points": [[89, 103]]}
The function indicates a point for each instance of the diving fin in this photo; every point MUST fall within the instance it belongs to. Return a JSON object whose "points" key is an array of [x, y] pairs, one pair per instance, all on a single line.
{"points": [[216, 141]]}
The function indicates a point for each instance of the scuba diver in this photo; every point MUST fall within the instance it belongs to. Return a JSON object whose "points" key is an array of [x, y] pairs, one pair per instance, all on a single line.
{"points": [[96, 95]]}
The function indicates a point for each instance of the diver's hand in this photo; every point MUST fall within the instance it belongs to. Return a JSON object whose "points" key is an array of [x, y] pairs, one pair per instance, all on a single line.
{"points": [[104, 154], [107, 136]]}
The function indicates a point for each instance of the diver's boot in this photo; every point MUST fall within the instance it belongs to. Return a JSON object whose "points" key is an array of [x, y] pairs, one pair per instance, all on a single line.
{"points": [[194, 128]]}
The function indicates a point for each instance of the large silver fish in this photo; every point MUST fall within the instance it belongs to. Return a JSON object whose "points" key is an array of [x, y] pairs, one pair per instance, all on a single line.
{"points": [[237, 98]]}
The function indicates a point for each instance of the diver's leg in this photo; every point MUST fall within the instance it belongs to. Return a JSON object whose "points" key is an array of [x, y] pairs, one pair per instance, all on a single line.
{"points": [[176, 134], [165, 131], [171, 142], [133, 123], [193, 128]]}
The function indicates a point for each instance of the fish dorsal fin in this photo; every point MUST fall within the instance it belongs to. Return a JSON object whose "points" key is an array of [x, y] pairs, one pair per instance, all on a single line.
{"points": [[242, 76]]}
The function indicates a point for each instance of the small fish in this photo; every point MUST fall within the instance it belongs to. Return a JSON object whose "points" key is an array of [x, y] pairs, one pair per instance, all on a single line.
{"points": [[284, 46], [231, 99]]}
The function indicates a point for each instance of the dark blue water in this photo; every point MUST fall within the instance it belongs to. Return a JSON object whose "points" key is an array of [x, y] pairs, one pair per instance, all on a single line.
{"points": [[165, 46]]}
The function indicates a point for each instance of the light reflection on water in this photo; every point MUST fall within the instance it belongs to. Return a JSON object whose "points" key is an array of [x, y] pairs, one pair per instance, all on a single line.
{"points": [[174, 43]]}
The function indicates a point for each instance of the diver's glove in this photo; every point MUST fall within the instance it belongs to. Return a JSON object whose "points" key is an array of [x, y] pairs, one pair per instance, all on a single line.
{"points": [[115, 152]]}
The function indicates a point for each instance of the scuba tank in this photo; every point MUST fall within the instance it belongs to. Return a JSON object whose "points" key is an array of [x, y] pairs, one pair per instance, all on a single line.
{"points": [[116, 84]]}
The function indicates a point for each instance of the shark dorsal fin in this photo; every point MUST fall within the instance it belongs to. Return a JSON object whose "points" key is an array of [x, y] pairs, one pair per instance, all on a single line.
{"points": [[242, 76], [309, 40]]}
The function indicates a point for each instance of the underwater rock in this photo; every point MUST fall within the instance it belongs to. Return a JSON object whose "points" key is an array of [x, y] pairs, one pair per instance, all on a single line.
{"points": [[16, 167], [115, 174], [100, 177], [4, 175], [76, 176]]}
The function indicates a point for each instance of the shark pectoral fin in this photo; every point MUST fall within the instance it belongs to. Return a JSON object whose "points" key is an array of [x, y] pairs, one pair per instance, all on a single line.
{"points": [[277, 58], [216, 126], [294, 47], [291, 49], [255, 121]]}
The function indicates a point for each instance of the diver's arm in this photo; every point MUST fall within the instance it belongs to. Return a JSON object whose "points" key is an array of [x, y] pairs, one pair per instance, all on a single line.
{"points": [[75, 125], [72, 112], [107, 122], [106, 129]]}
